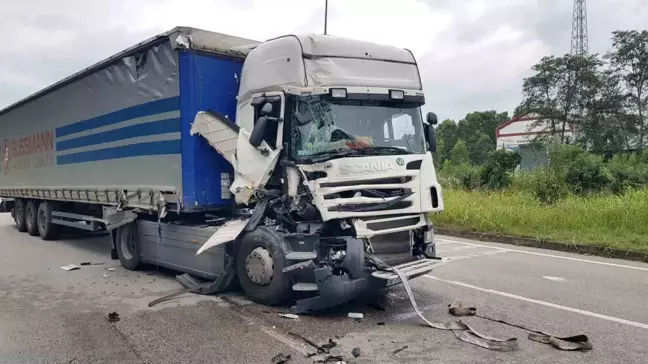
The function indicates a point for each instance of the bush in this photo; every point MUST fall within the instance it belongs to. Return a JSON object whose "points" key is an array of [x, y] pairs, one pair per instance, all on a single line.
{"points": [[545, 184], [628, 171], [496, 173], [463, 175], [583, 172]]}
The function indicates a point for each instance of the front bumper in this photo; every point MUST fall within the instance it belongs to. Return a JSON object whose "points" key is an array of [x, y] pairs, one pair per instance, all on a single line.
{"points": [[335, 290]]}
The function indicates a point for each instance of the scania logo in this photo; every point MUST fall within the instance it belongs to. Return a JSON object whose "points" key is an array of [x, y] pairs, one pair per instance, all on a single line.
{"points": [[368, 167], [328, 165]]}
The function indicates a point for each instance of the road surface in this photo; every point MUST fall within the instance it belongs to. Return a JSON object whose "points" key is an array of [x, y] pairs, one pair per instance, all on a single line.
{"points": [[49, 315]]}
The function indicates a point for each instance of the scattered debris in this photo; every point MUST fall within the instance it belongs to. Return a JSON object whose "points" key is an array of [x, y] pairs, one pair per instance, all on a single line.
{"points": [[456, 309], [381, 323], [110, 269], [399, 350], [355, 352], [571, 343], [289, 316], [330, 345], [320, 349], [337, 359], [356, 315], [86, 263], [281, 358], [113, 317], [70, 267], [106, 275]]}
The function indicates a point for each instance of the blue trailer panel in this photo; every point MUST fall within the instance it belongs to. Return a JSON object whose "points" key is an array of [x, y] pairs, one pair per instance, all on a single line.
{"points": [[119, 131]]}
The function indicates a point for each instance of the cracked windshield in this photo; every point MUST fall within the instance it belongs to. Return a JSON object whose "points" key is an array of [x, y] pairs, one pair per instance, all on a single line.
{"points": [[320, 126]]}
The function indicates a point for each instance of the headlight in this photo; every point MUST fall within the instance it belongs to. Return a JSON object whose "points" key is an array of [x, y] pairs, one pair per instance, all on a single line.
{"points": [[428, 236]]}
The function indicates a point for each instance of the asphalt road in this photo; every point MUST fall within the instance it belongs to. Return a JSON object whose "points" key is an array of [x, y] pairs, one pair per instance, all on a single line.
{"points": [[48, 315]]}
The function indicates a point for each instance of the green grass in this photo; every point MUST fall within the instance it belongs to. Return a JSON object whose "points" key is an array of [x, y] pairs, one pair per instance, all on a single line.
{"points": [[605, 220]]}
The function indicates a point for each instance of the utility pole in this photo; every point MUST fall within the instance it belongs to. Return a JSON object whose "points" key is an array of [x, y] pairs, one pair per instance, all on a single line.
{"points": [[579, 40], [325, 15]]}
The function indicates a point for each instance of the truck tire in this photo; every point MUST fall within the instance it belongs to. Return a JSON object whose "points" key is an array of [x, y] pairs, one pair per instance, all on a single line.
{"points": [[259, 265], [128, 246], [19, 215], [31, 217], [46, 228]]}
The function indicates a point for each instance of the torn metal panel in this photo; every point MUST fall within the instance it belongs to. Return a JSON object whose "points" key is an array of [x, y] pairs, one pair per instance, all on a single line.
{"points": [[226, 233], [252, 167], [220, 132]]}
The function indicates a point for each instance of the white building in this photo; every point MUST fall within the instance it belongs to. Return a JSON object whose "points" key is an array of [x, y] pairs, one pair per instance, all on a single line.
{"points": [[519, 133]]}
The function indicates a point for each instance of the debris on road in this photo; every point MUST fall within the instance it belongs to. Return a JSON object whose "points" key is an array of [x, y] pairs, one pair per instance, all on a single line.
{"points": [[106, 275], [70, 267], [380, 323], [355, 352], [330, 345], [399, 350], [281, 358], [320, 348], [570, 343], [86, 263], [337, 359], [110, 269], [456, 309], [289, 316], [356, 315], [113, 317]]}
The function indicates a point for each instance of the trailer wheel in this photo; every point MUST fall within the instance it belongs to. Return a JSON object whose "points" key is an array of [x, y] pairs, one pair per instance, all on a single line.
{"points": [[46, 228], [259, 265], [19, 215], [128, 246], [31, 217]]}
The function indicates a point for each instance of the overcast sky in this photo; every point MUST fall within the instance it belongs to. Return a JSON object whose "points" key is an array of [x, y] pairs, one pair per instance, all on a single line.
{"points": [[473, 54]]}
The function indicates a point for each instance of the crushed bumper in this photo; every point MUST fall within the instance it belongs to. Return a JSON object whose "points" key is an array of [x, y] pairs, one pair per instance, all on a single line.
{"points": [[334, 290]]}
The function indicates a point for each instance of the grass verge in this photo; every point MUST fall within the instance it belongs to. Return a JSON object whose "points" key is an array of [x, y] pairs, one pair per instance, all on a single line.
{"points": [[605, 220]]}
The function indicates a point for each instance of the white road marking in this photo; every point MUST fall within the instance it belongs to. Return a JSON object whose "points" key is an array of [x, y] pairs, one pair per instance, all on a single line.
{"points": [[548, 255], [555, 279], [543, 303]]}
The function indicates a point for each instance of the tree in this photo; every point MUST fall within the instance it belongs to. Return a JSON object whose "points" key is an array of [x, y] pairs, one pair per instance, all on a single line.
{"points": [[558, 90], [459, 153], [479, 150], [447, 138], [630, 59]]}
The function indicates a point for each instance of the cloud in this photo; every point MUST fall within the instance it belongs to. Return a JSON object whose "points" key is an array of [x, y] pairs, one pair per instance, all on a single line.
{"points": [[473, 54]]}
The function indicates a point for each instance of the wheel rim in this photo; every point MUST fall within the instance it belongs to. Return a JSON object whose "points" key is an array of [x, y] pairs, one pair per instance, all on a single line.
{"points": [[128, 243], [259, 266], [42, 221], [18, 211], [30, 216]]}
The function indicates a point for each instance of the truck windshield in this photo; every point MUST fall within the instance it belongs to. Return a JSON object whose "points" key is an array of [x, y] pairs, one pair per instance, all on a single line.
{"points": [[321, 126]]}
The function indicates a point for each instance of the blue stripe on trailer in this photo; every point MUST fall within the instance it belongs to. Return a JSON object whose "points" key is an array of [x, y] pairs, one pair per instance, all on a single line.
{"points": [[137, 111], [126, 151], [133, 131]]}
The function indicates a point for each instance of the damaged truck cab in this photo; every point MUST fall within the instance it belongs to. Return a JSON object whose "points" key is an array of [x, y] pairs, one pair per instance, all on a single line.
{"points": [[333, 152], [301, 166]]}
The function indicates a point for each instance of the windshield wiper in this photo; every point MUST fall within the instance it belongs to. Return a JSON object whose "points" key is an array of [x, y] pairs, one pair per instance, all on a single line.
{"points": [[383, 150], [330, 154]]}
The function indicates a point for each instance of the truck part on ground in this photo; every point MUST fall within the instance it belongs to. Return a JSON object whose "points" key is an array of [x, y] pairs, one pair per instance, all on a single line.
{"points": [[302, 165]]}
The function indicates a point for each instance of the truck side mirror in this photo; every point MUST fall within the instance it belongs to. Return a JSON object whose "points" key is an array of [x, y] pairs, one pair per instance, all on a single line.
{"points": [[256, 137], [431, 118], [430, 132]]}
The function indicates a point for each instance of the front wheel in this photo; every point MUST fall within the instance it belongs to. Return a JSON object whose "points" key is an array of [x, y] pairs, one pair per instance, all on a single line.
{"points": [[128, 246], [259, 265]]}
